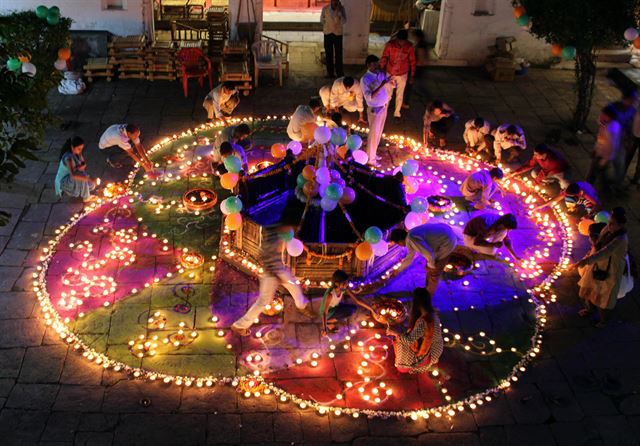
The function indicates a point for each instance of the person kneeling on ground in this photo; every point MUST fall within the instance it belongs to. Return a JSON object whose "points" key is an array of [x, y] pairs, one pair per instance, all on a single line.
{"points": [[580, 198], [437, 121], [479, 188], [71, 177], [221, 101], [475, 136], [227, 149], [546, 165], [419, 348], [332, 308], [508, 137], [304, 115], [345, 92], [127, 138], [487, 232]]}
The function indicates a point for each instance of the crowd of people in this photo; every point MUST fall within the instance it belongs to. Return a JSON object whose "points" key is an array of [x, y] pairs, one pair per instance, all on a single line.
{"points": [[605, 272]]}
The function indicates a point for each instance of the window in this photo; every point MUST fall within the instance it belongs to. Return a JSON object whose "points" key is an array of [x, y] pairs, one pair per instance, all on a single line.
{"points": [[483, 7], [114, 5]]}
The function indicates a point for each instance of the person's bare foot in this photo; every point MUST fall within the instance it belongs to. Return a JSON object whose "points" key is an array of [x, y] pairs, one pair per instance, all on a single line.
{"points": [[308, 311], [240, 331]]}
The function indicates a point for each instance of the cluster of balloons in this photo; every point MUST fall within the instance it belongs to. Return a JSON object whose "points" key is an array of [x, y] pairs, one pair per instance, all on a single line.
{"points": [[233, 164], [22, 63], [418, 215], [231, 208], [326, 183], [373, 244], [566, 52], [409, 169], [521, 16], [600, 217], [64, 54], [632, 35], [51, 15]]}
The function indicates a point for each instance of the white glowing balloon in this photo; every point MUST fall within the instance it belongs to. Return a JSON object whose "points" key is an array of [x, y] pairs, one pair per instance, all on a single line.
{"points": [[360, 157], [323, 176], [380, 248], [322, 135], [60, 65], [295, 147], [295, 247], [412, 220], [29, 69], [630, 34]]}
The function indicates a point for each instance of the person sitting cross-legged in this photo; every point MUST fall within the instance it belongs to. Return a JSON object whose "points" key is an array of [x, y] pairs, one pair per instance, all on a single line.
{"points": [[333, 309], [546, 165]]}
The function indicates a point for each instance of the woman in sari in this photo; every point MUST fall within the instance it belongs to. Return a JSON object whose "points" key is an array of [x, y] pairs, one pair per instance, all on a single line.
{"points": [[420, 347], [602, 269], [71, 178]]}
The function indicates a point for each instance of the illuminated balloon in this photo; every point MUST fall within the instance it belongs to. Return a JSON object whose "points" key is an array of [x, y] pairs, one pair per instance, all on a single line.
{"points": [[53, 18], [60, 64], [568, 52], [55, 10], [523, 20], [419, 205], [42, 11], [411, 220], [342, 183], [308, 130], [602, 217], [636, 42], [64, 54], [229, 180], [364, 251], [411, 185], [300, 180], [322, 190], [334, 191], [223, 208], [278, 150], [348, 196], [583, 226], [381, 248], [234, 204], [310, 189], [338, 136], [354, 142], [24, 57], [233, 164], [373, 234], [335, 175], [13, 64], [630, 34], [342, 151], [287, 235], [322, 135], [29, 69], [295, 247], [556, 50], [327, 204], [410, 168], [360, 157], [323, 176], [518, 11], [233, 221], [309, 172], [295, 147]]}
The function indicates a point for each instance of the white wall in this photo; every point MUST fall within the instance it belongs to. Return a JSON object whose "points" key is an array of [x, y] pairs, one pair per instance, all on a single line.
{"points": [[89, 15], [355, 44], [464, 36], [246, 15]]}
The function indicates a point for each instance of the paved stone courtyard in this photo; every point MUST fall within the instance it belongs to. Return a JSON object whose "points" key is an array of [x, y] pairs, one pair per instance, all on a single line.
{"points": [[583, 389]]}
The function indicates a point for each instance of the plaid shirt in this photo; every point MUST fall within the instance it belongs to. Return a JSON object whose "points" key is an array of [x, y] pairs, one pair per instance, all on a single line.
{"points": [[398, 58]]}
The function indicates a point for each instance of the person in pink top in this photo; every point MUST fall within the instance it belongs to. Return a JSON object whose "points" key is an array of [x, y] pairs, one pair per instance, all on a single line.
{"points": [[399, 61]]}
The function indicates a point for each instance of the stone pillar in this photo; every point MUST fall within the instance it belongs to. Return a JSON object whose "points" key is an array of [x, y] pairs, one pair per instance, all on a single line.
{"points": [[356, 31]]}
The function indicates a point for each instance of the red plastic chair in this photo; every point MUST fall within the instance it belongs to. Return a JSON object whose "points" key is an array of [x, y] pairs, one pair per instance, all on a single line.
{"points": [[193, 63]]}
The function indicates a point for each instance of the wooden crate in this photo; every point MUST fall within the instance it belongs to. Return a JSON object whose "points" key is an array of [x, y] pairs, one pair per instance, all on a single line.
{"points": [[238, 73], [98, 67]]}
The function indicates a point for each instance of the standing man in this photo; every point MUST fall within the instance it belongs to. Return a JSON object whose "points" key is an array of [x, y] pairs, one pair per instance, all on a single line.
{"points": [[345, 92], [221, 101], [127, 138], [435, 241], [333, 17], [374, 89], [399, 61]]}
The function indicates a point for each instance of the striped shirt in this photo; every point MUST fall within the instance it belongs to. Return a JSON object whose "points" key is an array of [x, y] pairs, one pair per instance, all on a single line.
{"points": [[271, 251], [406, 357]]}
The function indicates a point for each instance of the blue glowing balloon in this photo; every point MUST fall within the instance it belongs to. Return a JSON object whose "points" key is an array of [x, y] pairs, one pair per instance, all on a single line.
{"points": [[410, 168]]}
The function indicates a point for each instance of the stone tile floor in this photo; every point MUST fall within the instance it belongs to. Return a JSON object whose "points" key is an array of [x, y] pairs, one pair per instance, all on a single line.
{"points": [[583, 390]]}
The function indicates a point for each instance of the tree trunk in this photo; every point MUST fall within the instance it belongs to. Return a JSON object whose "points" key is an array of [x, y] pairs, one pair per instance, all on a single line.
{"points": [[585, 82]]}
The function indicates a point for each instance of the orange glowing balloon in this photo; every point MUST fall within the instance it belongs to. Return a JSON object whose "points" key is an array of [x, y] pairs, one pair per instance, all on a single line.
{"points": [[636, 42], [278, 150], [342, 151], [229, 180], [518, 11], [309, 173], [233, 221], [308, 130], [583, 226], [364, 251], [556, 50], [310, 189], [64, 54]]}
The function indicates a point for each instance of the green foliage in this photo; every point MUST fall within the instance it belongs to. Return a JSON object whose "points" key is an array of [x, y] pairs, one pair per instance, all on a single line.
{"points": [[585, 25], [23, 108]]}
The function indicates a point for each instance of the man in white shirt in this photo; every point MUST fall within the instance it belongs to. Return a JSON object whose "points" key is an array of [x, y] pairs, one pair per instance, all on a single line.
{"points": [[333, 17], [303, 115], [508, 137], [479, 187], [127, 138], [221, 101], [376, 94], [345, 92], [434, 241], [475, 135]]}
